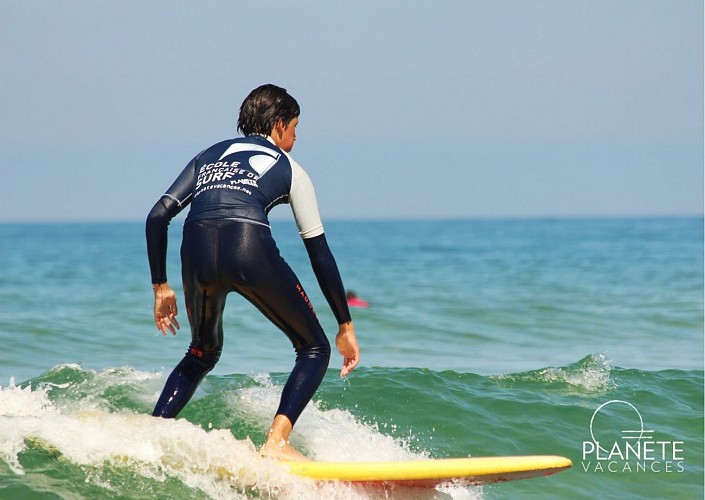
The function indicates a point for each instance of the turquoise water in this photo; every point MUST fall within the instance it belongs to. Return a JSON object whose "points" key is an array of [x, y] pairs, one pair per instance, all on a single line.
{"points": [[487, 337]]}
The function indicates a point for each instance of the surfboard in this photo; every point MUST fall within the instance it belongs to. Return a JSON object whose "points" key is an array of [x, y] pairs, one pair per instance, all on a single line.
{"points": [[430, 473]]}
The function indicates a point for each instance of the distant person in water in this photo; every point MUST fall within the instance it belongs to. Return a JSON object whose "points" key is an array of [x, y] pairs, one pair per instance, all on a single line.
{"points": [[355, 301], [227, 246]]}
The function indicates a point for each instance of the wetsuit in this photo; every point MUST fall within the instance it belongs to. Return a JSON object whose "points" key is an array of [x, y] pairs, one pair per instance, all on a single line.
{"points": [[227, 246]]}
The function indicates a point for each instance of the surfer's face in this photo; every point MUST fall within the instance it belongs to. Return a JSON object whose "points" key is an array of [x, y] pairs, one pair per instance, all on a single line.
{"points": [[285, 136]]}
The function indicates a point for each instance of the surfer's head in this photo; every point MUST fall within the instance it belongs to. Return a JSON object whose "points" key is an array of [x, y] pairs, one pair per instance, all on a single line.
{"points": [[267, 107]]}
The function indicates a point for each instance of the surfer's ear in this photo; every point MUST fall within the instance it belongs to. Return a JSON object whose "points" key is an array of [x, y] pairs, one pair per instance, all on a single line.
{"points": [[278, 129]]}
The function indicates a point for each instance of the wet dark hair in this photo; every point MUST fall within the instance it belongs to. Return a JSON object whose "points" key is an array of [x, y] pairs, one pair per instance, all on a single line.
{"points": [[263, 109]]}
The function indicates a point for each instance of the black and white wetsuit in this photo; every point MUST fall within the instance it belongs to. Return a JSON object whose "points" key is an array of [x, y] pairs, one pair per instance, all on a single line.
{"points": [[227, 246]]}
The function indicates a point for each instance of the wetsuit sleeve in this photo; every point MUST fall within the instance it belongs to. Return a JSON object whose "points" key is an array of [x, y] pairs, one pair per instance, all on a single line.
{"points": [[176, 198], [328, 276], [302, 199]]}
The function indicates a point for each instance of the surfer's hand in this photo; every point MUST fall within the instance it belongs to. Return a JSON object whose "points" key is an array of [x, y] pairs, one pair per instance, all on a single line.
{"points": [[165, 309], [346, 342]]}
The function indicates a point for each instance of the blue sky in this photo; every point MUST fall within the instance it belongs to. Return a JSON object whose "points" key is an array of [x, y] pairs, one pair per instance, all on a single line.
{"points": [[409, 109]]}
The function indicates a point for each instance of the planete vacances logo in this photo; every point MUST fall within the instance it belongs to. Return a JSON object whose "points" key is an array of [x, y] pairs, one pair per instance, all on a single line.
{"points": [[635, 449]]}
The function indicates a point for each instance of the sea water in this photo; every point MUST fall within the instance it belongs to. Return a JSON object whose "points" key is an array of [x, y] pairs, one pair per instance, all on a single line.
{"points": [[574, 337]]}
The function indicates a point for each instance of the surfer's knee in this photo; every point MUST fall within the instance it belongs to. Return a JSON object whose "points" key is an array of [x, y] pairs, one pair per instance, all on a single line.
{"points": [[318, 352], [312, 362], [198, 363]]}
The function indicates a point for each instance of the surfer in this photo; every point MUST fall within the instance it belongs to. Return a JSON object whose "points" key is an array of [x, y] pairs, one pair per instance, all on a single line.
{"points": [[355, 301], [227, 246]]}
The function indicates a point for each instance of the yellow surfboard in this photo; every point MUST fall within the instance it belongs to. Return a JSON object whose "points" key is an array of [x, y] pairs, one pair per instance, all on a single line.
{"points": [[431, 473]]}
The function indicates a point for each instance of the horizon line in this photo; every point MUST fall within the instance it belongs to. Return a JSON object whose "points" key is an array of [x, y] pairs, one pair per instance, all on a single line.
{"points": [[275, 219]]}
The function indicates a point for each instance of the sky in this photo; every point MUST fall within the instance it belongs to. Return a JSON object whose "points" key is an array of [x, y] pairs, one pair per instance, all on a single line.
{"points": [[409, 109]]}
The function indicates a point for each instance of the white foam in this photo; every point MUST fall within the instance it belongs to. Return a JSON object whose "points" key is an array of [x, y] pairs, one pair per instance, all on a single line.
{"points": [[324, 435], [594, 376], [22, 402], [212, 461]]}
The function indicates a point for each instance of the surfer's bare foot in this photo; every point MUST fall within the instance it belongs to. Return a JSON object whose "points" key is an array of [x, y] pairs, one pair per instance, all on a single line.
{"points": [[285, 452], [277, 446]]}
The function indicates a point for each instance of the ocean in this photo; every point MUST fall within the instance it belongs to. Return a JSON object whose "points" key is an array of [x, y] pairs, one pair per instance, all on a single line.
{"points": [[483, 337]]}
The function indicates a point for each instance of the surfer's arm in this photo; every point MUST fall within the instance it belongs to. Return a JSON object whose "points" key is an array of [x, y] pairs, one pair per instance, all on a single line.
{"points": [[326, 270], [302, 198], [158, 220], [177, 197], [328, 276]]}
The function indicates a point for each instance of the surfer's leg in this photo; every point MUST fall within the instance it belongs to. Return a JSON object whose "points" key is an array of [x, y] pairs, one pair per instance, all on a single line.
{"points": [[269, 283], [182, 383], [205, 300], [290, 311], [277, 445], [304, 380]]}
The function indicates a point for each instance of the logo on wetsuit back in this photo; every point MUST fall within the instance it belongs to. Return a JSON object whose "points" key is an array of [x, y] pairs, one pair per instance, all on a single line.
{"points": [[229, 174]]}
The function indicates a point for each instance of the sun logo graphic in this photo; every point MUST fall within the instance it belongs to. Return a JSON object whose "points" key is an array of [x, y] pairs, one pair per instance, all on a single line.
{"points": [[619, 442]]}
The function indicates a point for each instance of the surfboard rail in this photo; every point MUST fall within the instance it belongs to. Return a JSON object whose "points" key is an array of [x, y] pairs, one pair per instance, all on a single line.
{"points": [[432, 472]]}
